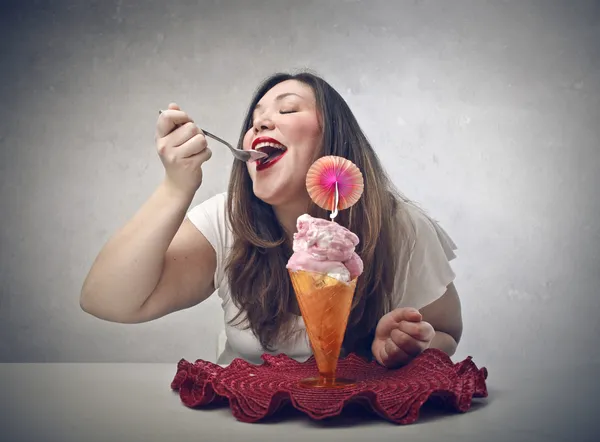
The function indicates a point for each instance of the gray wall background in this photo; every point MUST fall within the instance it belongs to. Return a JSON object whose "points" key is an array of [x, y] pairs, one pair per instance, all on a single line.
{"points": [[485, 112]]}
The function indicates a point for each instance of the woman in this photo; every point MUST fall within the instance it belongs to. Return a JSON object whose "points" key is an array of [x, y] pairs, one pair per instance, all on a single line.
{"points": [[238, 243]]}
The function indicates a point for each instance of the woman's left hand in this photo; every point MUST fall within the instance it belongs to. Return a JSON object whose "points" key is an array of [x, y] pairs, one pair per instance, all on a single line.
{"points": [[400, 336]]}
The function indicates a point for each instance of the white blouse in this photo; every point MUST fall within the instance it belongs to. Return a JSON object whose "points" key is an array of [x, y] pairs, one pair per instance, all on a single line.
{"points": [[424, 280]]}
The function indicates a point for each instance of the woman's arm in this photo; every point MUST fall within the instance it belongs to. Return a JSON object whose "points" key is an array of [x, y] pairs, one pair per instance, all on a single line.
{"points": [[445, 316], [405, 332], [156, 264], [445, 342]]}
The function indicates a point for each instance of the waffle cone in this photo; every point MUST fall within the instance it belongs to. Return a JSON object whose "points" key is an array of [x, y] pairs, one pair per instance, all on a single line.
{"points": [[325, 306]]}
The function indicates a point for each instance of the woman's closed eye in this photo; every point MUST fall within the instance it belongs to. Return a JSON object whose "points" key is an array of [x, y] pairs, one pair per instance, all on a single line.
{"points": [[287, 111]]}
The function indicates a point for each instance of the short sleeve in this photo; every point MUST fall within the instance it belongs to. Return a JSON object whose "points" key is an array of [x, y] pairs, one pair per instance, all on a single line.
{"points": [[428, 272], [210, 219]]}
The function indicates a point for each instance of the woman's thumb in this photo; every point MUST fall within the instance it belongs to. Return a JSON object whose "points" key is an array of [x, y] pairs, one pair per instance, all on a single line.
{"points": [[174, 106]]}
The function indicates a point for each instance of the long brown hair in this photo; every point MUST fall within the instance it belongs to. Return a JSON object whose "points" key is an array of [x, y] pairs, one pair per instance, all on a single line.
{"points": [[256, 266]]}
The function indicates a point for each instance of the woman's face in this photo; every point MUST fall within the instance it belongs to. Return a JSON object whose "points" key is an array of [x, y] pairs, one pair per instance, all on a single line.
{"points": [[286, 126]]}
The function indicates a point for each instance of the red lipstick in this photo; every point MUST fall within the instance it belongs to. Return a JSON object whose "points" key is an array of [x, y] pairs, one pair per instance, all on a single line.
{"points": [[273, 158], [264, 140]]}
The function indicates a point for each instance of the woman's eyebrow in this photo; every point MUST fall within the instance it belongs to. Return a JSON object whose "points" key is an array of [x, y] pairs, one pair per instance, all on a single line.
{"points": [[281, 97]]}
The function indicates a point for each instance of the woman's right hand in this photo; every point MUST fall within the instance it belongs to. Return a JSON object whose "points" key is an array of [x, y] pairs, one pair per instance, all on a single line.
{"points": [[182, 149]]}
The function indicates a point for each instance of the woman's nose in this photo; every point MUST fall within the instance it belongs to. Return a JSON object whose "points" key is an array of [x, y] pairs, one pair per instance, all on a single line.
{"points": [[263, 123]]}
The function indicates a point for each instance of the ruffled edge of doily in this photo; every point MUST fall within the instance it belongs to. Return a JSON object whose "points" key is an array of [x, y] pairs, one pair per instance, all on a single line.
{"points": [[198, 386]]}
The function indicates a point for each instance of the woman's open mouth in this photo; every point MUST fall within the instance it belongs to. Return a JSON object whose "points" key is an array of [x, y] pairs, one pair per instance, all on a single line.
{"points": [[275, 152]]}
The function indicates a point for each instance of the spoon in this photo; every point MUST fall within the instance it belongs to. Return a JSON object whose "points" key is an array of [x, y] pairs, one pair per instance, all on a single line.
{"points": [[242, 155]]}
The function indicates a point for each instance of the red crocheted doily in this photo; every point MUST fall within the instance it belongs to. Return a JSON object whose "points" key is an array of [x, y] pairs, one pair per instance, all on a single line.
{"points": [[257, 391]]}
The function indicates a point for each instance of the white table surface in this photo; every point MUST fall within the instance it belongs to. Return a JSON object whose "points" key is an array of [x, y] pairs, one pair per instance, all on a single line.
{"points": [[134, 402]]}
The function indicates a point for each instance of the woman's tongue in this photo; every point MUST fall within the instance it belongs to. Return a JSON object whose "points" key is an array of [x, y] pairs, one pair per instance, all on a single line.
{"points": [[275, 153]]}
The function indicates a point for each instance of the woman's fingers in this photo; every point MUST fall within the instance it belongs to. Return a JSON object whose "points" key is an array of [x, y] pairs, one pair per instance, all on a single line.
{"points": [[421, 331], [169, 120], [182, 148], [194, 146], [182, 134], [405, 343]]}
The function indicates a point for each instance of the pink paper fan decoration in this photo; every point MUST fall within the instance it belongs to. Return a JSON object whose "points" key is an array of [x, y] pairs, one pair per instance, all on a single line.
{"points": [[322, 178]]}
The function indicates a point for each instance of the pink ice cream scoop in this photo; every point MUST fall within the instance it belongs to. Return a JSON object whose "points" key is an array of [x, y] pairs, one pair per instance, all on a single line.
{"points": [[325, 247]]}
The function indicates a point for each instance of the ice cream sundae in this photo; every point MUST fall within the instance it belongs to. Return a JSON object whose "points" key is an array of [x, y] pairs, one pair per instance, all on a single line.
{"points": [[324, 267]]}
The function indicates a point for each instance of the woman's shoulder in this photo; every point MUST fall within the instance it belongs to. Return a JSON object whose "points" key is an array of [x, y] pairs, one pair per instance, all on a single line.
{"points": [[212, 207], [424, 229], [210, 217], [426, 272], [216, 202]]}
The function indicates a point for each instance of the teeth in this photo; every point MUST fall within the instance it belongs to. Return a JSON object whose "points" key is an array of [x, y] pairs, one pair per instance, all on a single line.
{"points": [[267, 144]]}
